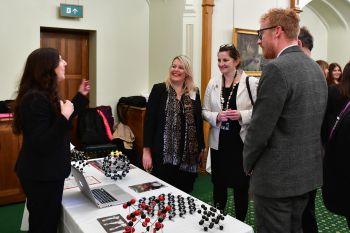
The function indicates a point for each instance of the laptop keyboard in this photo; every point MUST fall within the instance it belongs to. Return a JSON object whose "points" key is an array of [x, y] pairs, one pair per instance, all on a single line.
{"points": [[102, 196]]}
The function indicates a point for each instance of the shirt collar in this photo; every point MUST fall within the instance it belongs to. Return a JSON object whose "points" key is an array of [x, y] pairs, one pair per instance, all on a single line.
{"points": [[286, 48]]}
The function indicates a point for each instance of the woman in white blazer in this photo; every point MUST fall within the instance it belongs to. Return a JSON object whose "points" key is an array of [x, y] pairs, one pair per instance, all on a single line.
{"points": [[228, 109]]}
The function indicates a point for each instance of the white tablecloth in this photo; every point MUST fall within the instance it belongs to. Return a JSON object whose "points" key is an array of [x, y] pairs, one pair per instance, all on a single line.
{"points": [[80, 214]]}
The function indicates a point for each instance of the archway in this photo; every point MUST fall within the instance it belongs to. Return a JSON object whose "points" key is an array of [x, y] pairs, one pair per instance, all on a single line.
{"points": [[328, 21]]}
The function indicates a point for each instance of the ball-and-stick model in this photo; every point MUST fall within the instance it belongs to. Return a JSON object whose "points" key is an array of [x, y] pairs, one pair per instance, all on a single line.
{"points": [[116, 165], [211, 217], [151, 212], [142, 214], [78, 159]]}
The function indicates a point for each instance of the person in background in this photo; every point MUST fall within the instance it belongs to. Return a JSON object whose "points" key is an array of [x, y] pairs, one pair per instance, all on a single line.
{"points": [[282, 149], [309, 223], [173, 131], [228, 108], [44, 122], [305, 40], [336, 174], [324, 67], [334, 75]]}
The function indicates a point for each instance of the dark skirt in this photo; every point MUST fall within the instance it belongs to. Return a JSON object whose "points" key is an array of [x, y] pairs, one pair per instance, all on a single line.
{"points": [[173, 175], [227, 162], [335, 181]]}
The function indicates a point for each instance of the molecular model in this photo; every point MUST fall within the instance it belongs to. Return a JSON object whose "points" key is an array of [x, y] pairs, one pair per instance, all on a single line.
{"points": [[211, 217], [153, 211], [116, 165], [78, 159]]}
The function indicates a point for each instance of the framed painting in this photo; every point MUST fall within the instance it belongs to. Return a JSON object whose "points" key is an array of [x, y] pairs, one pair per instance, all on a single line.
{"points": [[252, 60]]}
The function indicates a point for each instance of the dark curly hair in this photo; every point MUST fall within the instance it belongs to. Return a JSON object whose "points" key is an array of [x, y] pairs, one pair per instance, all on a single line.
{"points": [[232, 51], [39, 75]]}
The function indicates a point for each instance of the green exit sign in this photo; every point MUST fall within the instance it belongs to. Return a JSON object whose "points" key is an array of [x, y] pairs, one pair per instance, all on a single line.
{"points": [[68, 10]]}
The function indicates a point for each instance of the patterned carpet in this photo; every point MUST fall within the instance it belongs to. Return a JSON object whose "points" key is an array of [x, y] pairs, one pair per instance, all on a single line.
{"points": [[327, 222]]}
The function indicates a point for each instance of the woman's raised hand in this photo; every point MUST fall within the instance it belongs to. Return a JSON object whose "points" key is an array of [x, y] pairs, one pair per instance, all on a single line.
{"points": [[84, 87]]}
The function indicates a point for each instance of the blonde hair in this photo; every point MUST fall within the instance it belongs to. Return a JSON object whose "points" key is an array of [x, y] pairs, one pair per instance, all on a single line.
{"points": [[189, 85], [288, 19]]}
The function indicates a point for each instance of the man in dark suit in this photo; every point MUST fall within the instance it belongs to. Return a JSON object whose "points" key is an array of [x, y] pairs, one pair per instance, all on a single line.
{"points": [[306, 42], [309, 223], [282, 151]]}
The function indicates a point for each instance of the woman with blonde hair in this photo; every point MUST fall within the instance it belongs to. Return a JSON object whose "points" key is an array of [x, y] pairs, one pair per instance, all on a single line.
{"points": [[173, 131]]}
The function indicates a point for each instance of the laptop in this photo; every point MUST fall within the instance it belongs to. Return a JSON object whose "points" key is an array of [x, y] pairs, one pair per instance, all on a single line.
{"points": [[102, 196]]}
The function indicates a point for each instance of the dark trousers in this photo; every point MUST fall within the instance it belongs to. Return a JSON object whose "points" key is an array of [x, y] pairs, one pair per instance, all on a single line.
{"points": [[44, 204], [279, 215], [309, 223], [240, 197]]}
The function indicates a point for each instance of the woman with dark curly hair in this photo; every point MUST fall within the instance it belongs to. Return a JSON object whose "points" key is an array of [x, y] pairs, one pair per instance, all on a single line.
{"points": [[228, 106], [44, 122]]}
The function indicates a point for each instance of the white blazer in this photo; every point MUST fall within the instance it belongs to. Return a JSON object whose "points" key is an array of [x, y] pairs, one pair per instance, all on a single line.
{"points": [[212, 106]]}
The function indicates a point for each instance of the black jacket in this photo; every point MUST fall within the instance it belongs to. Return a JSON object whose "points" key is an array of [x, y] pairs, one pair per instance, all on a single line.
{"points": [[155, 120], [45, 152], [336, 173]]}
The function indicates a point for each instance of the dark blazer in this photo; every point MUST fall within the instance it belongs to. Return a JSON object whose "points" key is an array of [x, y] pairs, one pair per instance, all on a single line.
{"points": [[155, 120], [45, 152], [283, 143], [336, 173]]}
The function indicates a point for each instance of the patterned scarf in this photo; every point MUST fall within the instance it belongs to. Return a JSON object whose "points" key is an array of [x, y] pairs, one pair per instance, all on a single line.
{"points": [[172, 134]]}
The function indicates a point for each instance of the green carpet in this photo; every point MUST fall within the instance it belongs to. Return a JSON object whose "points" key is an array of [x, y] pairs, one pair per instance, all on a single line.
{"points": [[11, 215], [11, 218], [327, 222]]}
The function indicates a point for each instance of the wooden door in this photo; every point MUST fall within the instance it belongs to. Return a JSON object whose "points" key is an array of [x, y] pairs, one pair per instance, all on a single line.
{"points": [[10, 144], [74, 49]]}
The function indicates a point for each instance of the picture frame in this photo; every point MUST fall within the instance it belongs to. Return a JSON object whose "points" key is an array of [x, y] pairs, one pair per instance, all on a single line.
{"points": [[294, 4], [252, 60]]}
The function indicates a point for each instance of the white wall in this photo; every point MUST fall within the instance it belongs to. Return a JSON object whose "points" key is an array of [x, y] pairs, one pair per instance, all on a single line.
{"points": [[166, 21], [192, 36], [338, 46], [319, 32], [248, 17], [222, 26], [121, 37]]}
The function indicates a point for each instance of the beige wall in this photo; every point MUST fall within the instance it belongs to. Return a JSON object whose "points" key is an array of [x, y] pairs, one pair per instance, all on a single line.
{"points": [[132, 42], [165, 36], [119, 36], [318, 31]]}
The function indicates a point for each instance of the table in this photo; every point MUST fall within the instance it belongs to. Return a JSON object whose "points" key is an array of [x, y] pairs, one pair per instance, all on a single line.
{"points": [[80, 214]]}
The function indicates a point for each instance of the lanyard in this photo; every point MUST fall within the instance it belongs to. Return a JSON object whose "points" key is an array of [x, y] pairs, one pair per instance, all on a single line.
{"points": [[339, 117]]}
